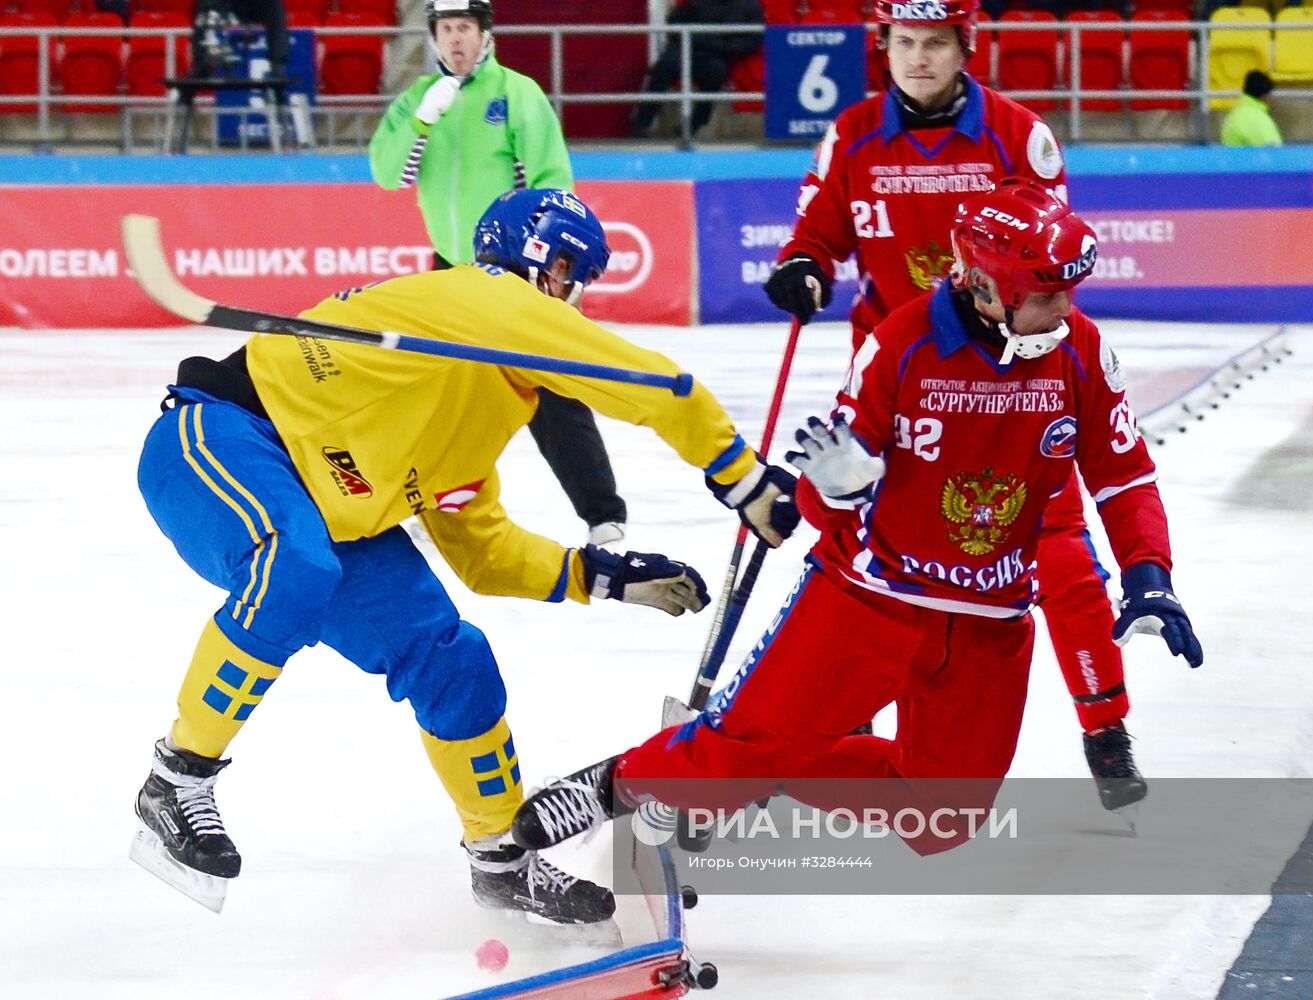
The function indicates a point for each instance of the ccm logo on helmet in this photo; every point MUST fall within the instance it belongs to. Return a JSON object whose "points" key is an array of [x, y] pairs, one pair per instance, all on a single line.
{"points": [[1003, 217], [1083, 263], [920, 10]]}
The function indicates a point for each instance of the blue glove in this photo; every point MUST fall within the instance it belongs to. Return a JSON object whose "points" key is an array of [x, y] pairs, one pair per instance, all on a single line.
{"points": [[764, 501], [644, 578], [1148, 605], [838, 465]]}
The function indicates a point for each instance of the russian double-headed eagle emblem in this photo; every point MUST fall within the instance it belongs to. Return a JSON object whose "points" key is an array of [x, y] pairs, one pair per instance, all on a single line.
{"points": [[980, 509], [928, 267]]}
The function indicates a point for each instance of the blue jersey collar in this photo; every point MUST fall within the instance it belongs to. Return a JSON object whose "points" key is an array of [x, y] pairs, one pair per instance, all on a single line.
{"points": [[946, 325], [971, 122]]}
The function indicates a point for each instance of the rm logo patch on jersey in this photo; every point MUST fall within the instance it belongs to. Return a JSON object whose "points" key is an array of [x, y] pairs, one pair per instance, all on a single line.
{"points": [[346, 474], [928, 267], [1043, 152], [496, 112], [1059, 440]]}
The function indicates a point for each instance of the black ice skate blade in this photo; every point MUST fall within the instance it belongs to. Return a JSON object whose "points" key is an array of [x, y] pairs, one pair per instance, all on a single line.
{"points": [[532, 927], [148, 851]]}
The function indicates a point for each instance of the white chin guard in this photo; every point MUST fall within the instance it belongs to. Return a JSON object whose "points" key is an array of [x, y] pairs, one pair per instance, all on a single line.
{"points": [[1032, 346]]}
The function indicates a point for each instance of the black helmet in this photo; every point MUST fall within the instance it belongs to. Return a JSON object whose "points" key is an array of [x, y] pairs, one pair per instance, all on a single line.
{"points": [[480, 10]]}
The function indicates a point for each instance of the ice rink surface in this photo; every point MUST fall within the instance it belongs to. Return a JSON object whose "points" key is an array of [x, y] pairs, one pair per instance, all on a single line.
{"points": [[353, 884]]}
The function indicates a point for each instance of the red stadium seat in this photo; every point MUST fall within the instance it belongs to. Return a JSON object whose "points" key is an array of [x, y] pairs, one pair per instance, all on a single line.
{"points": [[749, 75], [146, 67], [182, 8], [981, 63], [351, 64], [1029, 60], [1160, 60], [830, 11], [20, 57], [305, 13], [58, 9], [1182, 7], [1101, 59], [92, 65], [383, 11]]}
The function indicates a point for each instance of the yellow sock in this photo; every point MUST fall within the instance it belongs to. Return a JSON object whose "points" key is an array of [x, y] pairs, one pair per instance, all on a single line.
{"points": [[482, 776], [222, 687]]}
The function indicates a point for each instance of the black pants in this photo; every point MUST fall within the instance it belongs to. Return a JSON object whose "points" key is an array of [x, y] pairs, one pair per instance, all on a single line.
{"points": [[567, 435], [710, 71]]}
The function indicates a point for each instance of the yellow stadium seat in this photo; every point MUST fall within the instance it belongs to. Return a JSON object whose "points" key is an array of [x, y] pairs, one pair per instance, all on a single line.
{"points": [[1233, 52], [1292, 51]]}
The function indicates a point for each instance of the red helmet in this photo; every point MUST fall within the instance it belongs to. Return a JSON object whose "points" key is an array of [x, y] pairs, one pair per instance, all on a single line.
{"points": [[1024, 237], [960, 14]]}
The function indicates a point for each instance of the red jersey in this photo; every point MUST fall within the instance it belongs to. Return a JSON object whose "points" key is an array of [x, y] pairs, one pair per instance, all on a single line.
{"points": [[890, 194], [974, 451]]}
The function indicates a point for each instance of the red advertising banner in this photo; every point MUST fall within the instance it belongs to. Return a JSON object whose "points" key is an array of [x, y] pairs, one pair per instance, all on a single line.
{"points": [[282, 248]]}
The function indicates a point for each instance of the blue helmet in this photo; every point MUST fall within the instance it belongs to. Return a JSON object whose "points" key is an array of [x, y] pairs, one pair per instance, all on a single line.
{"points": [[527, 231]]}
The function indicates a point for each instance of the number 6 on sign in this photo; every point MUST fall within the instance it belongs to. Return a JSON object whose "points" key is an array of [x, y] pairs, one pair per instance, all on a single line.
{"points": [[817, 93]]}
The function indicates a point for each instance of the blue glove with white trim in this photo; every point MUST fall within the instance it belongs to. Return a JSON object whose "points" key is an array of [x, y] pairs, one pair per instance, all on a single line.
{"points": [[644, 578], [1148, 605], [764, 501]]}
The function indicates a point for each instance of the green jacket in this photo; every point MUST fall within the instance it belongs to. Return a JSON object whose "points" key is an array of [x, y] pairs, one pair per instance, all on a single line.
{"points": [[501, 123], [1250, 123]]}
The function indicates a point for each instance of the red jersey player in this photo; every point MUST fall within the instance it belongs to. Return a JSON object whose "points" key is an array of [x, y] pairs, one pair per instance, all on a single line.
{"points": [[887, 177], [929, 489]]}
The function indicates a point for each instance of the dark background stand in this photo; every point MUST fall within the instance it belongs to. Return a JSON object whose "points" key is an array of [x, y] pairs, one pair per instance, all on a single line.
{"points": [[186, 87]]}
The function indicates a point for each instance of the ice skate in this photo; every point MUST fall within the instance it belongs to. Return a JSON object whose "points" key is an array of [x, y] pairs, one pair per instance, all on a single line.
{"points": [[181, 839], [568, 806], [1121, 787], [505, 876], [606, 535]]}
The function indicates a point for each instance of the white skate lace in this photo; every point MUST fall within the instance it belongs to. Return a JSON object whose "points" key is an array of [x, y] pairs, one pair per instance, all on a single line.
{"points": [[195, 799], [571, 808], [546, 875]]}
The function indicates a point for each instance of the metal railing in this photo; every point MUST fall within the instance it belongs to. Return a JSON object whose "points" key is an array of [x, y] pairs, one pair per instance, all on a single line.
{"points": [[1070, 95]]}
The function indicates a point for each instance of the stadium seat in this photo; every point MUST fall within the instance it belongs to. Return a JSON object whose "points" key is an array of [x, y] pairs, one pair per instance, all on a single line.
{"points": [[146, 68], [1292, 52], [91, 65], [749, 76], [20, 56], [1029, 60], [1101, 59], [1183, 7], [306, 13], [381, 11], [981, 63], [58, 9], [830, 11], [351, 64], [1160, 60], [1233, 52]]}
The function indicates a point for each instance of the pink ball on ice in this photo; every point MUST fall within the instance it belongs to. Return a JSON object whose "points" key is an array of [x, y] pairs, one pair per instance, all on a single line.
{"points": [[492, 955]]}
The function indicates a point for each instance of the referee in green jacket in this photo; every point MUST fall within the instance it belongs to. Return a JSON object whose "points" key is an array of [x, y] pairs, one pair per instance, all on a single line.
{"points": [[462, 137]]}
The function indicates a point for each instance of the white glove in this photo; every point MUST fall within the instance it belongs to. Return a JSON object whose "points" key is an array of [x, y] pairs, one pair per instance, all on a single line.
{"points": [[437, 99], [842, 471]]}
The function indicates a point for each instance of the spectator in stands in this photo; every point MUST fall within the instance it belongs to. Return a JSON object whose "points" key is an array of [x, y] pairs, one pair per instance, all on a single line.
{"points": [[463, 136], [1250, 122], [712, 56], [212, 56]]}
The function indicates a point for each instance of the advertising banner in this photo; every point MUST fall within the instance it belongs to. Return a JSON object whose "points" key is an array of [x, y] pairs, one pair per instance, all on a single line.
{"points": [[282, 248], [1171, 247], [741, 227]]}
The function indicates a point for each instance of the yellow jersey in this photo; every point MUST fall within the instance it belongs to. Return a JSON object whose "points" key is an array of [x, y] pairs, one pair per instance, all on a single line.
{"points": [[379, 436]]}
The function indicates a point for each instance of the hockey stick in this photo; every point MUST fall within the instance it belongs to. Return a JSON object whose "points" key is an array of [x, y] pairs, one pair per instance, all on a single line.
{"points": [[141, 241], [733, 599]]}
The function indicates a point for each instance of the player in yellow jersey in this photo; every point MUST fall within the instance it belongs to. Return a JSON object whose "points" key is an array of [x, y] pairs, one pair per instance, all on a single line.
{"points": [[282, 474]]}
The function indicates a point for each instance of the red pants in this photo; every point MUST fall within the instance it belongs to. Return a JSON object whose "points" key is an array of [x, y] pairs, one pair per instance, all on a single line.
{"points": [[959, 682], [1078, 614]]}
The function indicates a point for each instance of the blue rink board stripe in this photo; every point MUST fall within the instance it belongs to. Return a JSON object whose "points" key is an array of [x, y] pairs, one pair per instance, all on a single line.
{"points": [[699, 165], [1277, 960]]}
